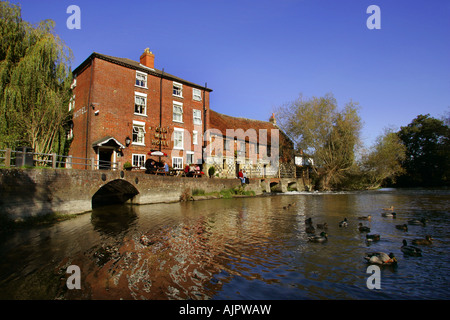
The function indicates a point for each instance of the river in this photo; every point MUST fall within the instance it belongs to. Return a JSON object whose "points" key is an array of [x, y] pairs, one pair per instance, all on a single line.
{"points": [[241, 248]]}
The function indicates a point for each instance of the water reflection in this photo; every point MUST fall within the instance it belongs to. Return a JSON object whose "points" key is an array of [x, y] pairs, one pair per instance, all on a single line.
{"points": [[247, 248]]}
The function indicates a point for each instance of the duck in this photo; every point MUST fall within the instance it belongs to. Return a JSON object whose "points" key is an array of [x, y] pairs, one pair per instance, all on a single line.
{"points": [[372, 237], [410, 250], [308, 221], [309, 229], [427, 241], [322, 225], [389, 214], [418, 222], [381, 258], [363, 228], [403, 227], [343, 223], [320, 238], [369, 217]]}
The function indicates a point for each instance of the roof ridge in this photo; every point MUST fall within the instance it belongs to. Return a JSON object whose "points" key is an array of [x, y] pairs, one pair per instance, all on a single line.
{"points": [[243, 118]]}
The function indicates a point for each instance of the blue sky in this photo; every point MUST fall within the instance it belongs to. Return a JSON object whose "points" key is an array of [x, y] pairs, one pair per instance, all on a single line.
{"points": [[257, 55]]}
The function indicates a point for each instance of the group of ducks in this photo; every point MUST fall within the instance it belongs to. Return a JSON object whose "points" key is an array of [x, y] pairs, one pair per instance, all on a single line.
{"points": [[379, 258]]}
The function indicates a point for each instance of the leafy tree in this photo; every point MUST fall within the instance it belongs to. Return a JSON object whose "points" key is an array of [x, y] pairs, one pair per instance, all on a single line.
{"points": [[35, 80], [427, 142], [328, 134], [384, 160]]}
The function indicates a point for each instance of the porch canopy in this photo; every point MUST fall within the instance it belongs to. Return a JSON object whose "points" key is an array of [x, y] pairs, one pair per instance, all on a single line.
{"points": [[108, 142]]}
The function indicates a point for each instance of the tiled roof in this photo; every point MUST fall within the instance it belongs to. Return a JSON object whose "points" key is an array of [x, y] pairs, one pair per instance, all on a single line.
{"points": [[137, 66], [223, 122]]}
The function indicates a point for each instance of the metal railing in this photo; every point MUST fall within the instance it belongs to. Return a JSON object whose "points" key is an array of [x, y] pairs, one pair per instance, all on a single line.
{"points": [[26, 159]]}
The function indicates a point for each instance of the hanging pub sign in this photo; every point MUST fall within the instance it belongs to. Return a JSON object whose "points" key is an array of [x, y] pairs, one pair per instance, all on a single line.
{"points": [[161, 136]]}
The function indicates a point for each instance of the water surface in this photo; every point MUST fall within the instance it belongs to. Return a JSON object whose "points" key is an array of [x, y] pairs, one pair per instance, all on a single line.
{"points": [[244, 248]]}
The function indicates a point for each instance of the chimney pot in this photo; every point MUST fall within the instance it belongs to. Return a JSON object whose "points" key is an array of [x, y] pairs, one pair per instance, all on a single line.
{"points": [[272, 119]]}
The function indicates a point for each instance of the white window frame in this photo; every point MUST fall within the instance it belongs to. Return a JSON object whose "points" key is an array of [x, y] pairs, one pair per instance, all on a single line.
{"points": [[197, 119], [140, 125], [144, 96], [72, 103], [177, 89], [189, 154], [176, 142], [178, 166], [138, 73], [195, 137], [139, 163], [177, 105], [226, 144], [196, 94]]}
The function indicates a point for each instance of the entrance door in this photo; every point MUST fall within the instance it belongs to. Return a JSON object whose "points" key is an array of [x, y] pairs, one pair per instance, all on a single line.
{"points": [[105, 157], [237, 169]]}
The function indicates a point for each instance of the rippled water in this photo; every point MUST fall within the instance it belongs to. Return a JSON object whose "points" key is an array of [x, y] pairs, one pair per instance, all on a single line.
{"points": [[244, 248]]}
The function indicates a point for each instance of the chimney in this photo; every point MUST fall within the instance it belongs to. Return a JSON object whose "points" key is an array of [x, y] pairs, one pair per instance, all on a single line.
{"points": [[148, 59], [272, 119]]}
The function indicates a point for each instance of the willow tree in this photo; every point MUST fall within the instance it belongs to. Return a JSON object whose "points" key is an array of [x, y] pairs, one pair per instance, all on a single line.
{"points": [[329, 135], [35, 81]]}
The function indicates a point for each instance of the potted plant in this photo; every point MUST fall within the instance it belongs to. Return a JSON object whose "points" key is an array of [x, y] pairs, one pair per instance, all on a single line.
{"points": [[127, 166]]}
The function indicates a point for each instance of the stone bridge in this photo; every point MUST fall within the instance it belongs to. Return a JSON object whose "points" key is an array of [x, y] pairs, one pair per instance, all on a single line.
{"points": [[32, 192]]}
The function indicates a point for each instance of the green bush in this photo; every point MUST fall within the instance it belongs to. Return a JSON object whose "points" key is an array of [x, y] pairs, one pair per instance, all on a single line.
{"points": [[211, 171]]}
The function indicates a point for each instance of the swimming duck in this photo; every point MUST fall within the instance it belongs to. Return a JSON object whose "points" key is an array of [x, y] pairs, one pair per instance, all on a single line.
{"points": [[309, 229], [308, 221], [418, 222], [369, 217], [410, 250], [343, 223], [427, 241], [403, 227], [389, 214], [372, 237], [381, 258], [363, 228], [320, 238], [322, 225]]}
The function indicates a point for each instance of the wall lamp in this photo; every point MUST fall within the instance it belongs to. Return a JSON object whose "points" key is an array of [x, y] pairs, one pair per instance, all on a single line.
{"points": [[127, 141]]}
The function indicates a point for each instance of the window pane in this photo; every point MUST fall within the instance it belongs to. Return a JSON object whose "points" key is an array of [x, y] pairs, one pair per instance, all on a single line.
{"points": [[139, 104]]}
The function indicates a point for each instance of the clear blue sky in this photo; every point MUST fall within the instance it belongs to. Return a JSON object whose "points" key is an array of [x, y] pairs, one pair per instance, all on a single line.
{"points": [[259, 54]]}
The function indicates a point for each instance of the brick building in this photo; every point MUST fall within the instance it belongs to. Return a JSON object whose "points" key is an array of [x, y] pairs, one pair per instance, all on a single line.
{"points": [[123, 109], [259, 148]]}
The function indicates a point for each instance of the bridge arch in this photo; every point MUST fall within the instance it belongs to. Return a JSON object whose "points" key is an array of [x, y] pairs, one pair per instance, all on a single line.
{"points": [[292, 185], [114, 192]]}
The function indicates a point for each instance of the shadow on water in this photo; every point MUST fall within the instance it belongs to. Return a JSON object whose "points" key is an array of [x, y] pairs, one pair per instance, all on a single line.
{"points": [[114, 220]]}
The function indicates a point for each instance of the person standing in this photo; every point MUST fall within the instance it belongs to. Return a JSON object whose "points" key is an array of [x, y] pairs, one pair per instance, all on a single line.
{"points": [[166, 168]]}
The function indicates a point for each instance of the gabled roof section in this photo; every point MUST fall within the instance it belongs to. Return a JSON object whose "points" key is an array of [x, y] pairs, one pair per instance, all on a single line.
{"points": [[128, 63]]}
